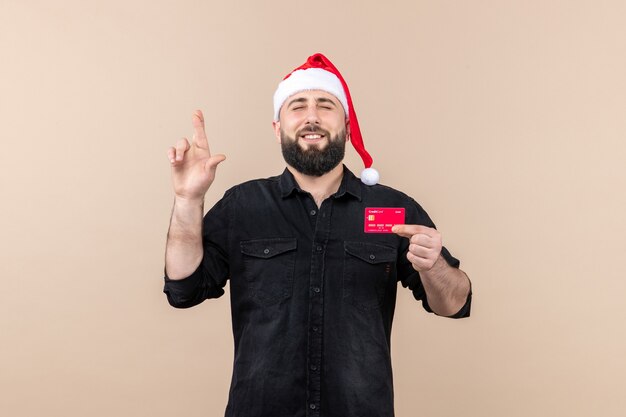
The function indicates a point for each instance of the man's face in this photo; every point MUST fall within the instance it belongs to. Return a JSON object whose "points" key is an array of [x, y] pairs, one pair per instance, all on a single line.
{"points": [[312, 131]]}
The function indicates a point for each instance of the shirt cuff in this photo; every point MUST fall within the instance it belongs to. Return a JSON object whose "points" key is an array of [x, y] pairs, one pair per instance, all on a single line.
{"points": [[181, 293]]}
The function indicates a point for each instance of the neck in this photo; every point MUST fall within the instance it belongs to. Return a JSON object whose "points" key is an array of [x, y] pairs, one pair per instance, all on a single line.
{"points": [[319, 187]]}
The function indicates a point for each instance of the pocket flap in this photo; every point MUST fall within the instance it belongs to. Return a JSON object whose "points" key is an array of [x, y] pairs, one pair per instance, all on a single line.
{"points": [[267, 248], [372, 253]]}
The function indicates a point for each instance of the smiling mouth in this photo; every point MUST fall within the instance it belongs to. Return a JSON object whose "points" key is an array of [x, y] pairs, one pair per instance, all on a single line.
{"points": [[312, 136]]}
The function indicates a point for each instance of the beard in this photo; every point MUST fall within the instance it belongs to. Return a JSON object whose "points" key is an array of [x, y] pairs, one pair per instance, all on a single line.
{"points": [[313, 161]]}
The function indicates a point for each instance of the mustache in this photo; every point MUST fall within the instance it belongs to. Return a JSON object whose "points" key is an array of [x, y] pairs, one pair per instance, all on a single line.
{"points": [[312, 129]]}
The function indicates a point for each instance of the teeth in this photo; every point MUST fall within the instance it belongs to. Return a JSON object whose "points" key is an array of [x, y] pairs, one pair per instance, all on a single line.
{"points": [[312, 136]]}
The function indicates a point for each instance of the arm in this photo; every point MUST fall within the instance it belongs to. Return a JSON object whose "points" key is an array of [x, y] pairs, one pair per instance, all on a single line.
{"points": [[193, 172], [446, 287], [183, 249]]}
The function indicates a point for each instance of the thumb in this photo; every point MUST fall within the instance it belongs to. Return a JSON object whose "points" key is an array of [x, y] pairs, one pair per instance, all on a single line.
{"points": [[213, 161]]}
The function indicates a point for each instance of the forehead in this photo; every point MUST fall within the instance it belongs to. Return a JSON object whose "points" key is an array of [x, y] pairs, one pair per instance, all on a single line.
{"points": [[313, 95]]}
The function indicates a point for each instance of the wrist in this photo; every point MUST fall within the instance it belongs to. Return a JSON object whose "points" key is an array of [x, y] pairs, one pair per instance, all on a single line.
{"points": [[188, 202], [188, 212], [186, 220]]}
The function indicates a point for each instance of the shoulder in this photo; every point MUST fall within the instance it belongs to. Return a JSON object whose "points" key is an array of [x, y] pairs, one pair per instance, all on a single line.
{"points": [[253, 190], [385, 192], [254, 184]]}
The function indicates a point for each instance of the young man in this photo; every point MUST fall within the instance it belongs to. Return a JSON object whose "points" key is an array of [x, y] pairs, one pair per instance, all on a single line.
{"points": [[313, 277]]}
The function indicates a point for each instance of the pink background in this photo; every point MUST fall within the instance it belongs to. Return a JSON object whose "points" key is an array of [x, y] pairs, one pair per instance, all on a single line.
{"points": [[504, 119]]}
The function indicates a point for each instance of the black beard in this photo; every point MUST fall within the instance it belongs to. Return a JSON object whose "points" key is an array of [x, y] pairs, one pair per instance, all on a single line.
{"points": [[313, 161]]}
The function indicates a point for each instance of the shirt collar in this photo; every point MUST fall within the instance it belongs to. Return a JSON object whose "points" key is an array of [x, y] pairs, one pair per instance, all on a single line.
{"points": [[350, 184]]}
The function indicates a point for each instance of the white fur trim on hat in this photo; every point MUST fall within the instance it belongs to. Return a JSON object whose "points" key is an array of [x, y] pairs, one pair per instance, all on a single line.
{"points": [[309, 79], [369, 176]]}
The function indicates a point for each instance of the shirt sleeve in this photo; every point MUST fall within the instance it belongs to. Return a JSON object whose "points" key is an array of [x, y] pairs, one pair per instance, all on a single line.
{"points": [[209, 279], [410, 278]]}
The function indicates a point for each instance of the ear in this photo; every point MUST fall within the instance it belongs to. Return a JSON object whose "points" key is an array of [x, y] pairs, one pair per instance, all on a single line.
{"points": [[347, 130], [276, 126]]}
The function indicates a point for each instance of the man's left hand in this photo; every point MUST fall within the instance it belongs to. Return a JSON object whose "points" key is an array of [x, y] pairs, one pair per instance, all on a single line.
{"points": [[425, 245]]}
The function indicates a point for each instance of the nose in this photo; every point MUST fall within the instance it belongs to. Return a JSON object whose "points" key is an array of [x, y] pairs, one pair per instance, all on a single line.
{"points": [[312, 115]]}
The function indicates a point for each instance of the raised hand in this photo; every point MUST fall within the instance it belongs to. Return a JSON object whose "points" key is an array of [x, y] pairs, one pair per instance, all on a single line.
{"points": [[193, 166]]}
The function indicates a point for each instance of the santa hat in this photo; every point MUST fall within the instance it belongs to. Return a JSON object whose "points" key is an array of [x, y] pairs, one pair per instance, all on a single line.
{"points": [[318, 73]]}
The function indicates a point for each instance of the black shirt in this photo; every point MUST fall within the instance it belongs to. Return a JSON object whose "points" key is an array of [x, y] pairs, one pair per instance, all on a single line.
{"points": [[312, 296]]}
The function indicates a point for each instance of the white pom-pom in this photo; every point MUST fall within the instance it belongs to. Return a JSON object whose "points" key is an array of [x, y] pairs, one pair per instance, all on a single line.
{"points": [[369, 176]]}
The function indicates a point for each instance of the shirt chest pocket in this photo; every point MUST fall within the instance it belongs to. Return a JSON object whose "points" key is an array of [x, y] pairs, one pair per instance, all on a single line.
{"points": [[367, 273], [269, 268]]}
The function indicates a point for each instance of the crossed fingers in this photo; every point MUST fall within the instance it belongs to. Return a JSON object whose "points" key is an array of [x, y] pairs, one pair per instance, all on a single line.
{"points": [[176, 153]]}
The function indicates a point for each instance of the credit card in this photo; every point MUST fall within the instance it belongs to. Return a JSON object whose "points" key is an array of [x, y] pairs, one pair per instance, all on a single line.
{"points": [[382, 219]]}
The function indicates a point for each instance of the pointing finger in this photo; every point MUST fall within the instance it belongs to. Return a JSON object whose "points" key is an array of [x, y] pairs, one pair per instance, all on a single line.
{"points": [[402, 230], [408, 230], [199, 134], [171, 154]]}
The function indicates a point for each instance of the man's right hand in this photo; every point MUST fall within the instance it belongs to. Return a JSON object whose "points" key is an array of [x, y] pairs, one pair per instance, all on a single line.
{"points": [[193, 167]]}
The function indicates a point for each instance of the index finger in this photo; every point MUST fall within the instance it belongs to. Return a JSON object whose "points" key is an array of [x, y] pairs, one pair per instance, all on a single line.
{"points": [[199, 135], [408, 230]]}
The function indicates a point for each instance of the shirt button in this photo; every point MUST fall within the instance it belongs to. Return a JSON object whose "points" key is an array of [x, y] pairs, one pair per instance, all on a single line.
{"points": [[315, 328], [372, 257], [313, 212], [313, 368], [316, 289], [318, 248], [312, 406]]}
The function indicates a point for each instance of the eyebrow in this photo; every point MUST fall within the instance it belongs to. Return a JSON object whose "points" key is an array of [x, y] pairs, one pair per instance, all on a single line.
{"points": [[317, 100], [297, 100], [325, 100]]}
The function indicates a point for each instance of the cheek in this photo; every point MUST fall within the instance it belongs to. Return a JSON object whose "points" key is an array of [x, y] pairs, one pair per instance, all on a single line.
{"points": [[290, 121], [336, 121]]}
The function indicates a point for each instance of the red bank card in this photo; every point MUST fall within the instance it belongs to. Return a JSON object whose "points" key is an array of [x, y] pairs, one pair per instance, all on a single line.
{"points": [[382, 219]]}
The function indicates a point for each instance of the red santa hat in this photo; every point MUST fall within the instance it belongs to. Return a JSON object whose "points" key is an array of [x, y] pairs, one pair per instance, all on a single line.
{"points": [[318, 73]]}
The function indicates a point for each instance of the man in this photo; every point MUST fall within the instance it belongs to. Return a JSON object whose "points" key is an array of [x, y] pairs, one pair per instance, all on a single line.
{"points": [[312, 279]]}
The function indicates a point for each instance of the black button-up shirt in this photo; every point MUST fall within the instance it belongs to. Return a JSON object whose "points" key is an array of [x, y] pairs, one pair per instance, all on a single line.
{"points": [[312, 295]]}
